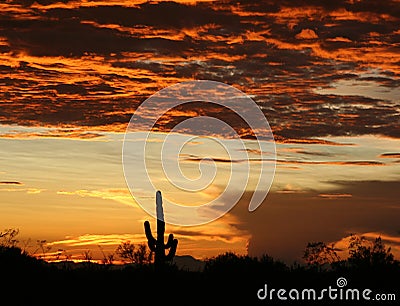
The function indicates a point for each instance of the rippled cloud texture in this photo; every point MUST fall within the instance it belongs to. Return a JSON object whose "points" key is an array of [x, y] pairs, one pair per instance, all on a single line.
{"points": [[91, 63]]}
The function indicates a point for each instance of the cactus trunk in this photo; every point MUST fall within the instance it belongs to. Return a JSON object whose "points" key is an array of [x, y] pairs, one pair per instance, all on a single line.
{"points": [[157, 245]]}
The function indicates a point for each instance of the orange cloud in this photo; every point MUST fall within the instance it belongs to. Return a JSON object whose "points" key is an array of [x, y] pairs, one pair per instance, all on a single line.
{"points": [[278, 54], [52, 134], [391, 241], [334, 196], [306, 34], [339, 39], [280, 139]]}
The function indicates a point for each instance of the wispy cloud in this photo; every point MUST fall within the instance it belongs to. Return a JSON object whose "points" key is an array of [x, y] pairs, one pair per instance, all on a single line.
{"points": [[334, 196], [96, 239], [10, 183], [26, 190], [120, 195], [390, 155], [336, 163], [52, 134]]}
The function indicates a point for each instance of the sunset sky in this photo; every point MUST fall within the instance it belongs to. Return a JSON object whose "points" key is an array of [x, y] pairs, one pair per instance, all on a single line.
{"points": [[326, 75]]}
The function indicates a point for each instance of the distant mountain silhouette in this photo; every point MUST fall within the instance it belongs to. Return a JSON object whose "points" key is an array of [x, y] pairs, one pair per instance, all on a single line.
{"points": [[188, 263]]}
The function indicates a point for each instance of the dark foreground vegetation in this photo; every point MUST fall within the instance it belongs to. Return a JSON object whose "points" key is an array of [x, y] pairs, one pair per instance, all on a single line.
{"points": [[227, 279]]}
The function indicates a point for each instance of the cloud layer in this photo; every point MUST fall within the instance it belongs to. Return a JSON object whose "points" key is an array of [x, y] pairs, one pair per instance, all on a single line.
{"points": [[90, 64]]}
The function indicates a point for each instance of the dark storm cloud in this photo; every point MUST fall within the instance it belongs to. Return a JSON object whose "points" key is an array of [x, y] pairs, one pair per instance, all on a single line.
{"points": [[70, 37], [389, 7], [283, 225], [79, 65], [161, 15]]}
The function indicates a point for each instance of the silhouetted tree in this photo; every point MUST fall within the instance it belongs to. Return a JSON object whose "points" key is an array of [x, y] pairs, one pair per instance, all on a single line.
{"points": [[268, 262], [43, 247], [318, 254], [7, 237], [26, 244], [366, 253], [67, 256], [108, 259], [87, 256], [126, 250], [142, 255], [232, 264]]}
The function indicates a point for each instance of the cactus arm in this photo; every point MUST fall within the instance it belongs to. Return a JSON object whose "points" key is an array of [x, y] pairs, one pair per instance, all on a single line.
{"points": [[170, 241], [172, 251], [151, 241]]}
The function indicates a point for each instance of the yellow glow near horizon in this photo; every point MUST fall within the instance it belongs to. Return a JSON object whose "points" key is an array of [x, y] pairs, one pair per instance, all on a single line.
{"points": [[76, 188]]}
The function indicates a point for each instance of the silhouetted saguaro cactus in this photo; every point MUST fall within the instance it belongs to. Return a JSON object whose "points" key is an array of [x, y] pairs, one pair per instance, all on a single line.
{"points": [[157, 245]]}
